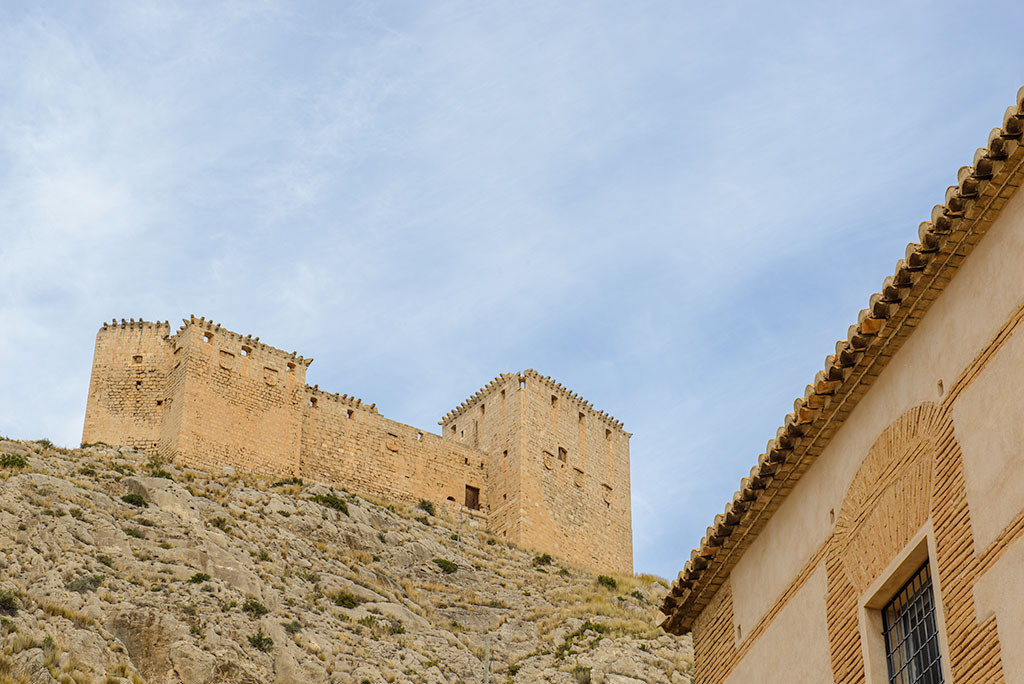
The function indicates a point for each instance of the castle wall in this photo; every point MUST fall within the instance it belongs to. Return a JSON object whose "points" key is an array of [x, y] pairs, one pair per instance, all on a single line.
{"points": [[489, 423], [348, 443], [551, 476], [240, 402], [566, 473], [127, 387]]}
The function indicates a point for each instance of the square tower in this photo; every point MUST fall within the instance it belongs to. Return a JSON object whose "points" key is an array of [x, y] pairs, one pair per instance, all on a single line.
{"points": [[558, 469]]}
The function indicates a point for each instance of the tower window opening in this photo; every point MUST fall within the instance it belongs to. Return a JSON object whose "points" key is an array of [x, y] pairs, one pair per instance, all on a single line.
{"points": [[608, 435], [349, 413], [554, 401], [312, 402], [483, 409], [472, 498], [246, 351], [137, 358], [563, 455], [207, 337], [291, 366], [581, 416]]}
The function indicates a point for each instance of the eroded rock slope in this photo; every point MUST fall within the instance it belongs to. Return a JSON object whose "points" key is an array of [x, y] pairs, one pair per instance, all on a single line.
{"points": [[116, 568]]}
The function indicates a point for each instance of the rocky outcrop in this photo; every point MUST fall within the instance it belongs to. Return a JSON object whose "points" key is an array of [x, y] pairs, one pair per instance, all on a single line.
{"points": [[116, 568]]}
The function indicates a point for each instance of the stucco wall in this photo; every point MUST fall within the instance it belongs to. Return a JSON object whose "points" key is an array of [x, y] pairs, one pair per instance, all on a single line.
{"points": [[966, 361], [799, 629]]}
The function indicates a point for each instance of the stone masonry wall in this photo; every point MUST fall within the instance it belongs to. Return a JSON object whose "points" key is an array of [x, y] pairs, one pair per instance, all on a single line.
{"points": [[127, 388], [538, 464], [241, 402], [346, 442], [566, 472]]}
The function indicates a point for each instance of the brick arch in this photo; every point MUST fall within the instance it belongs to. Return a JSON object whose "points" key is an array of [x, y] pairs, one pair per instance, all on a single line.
{"points": [[887, 502], [890, 496]]}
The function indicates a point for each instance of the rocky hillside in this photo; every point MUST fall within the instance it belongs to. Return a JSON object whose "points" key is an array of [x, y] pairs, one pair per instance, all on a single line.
{"points": [[115, 568]]}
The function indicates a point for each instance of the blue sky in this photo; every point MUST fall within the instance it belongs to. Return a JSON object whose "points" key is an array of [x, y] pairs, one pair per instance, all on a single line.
{"points": [[673, 208]]}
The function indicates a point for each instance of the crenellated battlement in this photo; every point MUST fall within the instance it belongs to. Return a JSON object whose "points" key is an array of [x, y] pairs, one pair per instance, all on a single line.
{"points": [[534, 460], [546, 380]]}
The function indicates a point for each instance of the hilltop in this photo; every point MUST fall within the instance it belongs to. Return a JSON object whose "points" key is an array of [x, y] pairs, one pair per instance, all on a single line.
{"points": [[116, 568]]}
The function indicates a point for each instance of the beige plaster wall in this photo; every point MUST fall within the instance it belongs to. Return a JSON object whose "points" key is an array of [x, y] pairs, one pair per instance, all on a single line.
{"points": [[794, 648], [999, 593], [989, 420], [975, 304]]}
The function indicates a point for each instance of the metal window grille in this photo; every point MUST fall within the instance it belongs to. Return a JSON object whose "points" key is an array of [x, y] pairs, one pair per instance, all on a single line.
{"points": [[911, 637]]}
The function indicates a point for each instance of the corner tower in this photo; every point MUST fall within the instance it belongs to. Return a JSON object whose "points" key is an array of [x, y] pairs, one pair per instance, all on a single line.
{"points": [[558, 469], [127, 388]]}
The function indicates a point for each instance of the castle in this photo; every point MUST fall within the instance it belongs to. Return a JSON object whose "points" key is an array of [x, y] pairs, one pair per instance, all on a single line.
{"points": [[533, 462]]}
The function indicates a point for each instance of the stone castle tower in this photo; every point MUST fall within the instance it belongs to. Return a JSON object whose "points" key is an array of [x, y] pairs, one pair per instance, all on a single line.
{"points": [[534, 462]]}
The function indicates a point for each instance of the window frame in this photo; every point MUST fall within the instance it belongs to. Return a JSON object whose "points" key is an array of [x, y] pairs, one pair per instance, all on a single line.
{"points": [[914, 601], [918, 551]]}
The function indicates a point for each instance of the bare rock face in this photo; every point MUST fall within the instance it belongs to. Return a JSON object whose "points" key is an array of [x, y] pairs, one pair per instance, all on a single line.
{"points": [[148, 634], [220, 579]]}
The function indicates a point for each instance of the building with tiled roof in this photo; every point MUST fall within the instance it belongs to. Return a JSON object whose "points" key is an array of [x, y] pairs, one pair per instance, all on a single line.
{"points": [[879, 536]]}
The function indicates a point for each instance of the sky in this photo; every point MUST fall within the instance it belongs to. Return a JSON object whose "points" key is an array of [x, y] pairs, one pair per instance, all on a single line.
{"points": [[673, 208]]}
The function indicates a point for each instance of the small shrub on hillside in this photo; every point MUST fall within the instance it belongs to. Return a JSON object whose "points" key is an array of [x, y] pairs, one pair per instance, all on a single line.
{"points": [[331, 501], [292, 481], [221, 524], [581, 674], [606, 581], [161, 473], [9, 603], [134, 532], [122, 468], [254, 608], [84, 583], [135, 500], [262, 556], [565, 648], [199, 578], [423, 519], [513, 670], [638, 596], [446, 565], [543, 559], [77, 514], [105, 560], [13, 461], [260, 641], [426, 506], [45, 443], [491, 541], [88, 471], [310, 576], [292, 627], [347, 600]]}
